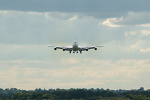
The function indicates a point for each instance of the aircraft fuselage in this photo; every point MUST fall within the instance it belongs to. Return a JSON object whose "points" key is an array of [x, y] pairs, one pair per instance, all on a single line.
{"points": [[75, 46]]}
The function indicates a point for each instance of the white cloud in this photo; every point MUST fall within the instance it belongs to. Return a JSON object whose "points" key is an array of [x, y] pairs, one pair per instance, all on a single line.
{"points": [[145, 32], [139, 40], [70, 61], [111, 22], [92, 74], [73, 18], [137, 45], [20, 61], [145, 50], [4, 12], [135, 19], [62, 16], [56, 15], [130, 33], [137, 33], [34, 13], [133, 33], [144, 25]]}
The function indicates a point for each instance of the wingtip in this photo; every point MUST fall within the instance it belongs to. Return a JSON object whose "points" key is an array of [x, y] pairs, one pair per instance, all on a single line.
{"points": [[49, 46], [100, 46]]}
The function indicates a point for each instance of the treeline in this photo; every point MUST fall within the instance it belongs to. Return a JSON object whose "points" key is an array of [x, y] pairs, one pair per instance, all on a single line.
{"points": [[73, 94]]}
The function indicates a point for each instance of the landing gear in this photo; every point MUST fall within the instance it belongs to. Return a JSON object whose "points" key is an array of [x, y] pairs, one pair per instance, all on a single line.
{"points": [[80, 51], [75, 51], [69, 51]]}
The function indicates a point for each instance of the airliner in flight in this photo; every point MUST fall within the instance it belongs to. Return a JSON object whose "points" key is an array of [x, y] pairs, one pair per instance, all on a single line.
{"points": [[75, 48]]}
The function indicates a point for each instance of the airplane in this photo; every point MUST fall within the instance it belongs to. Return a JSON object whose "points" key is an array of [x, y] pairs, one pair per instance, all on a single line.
{"points": [[75, 48]]}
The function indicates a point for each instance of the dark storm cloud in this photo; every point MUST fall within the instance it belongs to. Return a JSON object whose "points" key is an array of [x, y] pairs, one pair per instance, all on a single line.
{"points": [[102, 6]]}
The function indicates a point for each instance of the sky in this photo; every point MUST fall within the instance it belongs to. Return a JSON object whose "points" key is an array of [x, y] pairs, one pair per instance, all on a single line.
{"points": [[27, 27]]}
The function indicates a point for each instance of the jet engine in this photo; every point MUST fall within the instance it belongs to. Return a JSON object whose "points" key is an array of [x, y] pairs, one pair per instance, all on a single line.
{"points": [[55, 49], [95, 48]]}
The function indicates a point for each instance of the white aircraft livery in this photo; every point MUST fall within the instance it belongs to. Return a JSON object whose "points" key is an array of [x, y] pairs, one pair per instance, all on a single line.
{"points": [[75, 48]]}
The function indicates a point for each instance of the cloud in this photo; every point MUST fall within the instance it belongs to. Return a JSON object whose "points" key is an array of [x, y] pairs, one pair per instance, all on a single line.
{"points": [[92, 74], [111, 22], [73, 18], [128, 19], [98, 6], [145, 32], [60, 15], [46, 25], [136, 46], [145, 50], [56, 29], [138, 33], [40, 28], [70, 61], [144, 25]]}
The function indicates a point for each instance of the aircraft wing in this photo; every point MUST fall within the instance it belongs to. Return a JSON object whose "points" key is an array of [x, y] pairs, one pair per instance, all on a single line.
{"points": [[82, 48], [57, 47], [68, 48], [94, 47]]}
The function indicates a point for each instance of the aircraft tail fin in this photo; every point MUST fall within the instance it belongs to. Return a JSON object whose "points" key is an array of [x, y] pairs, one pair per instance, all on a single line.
{"points": [[75, 39]]}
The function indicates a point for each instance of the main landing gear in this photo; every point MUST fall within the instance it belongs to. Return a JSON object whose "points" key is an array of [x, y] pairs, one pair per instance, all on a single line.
{"points": [[69, 51], [75, 52]]}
